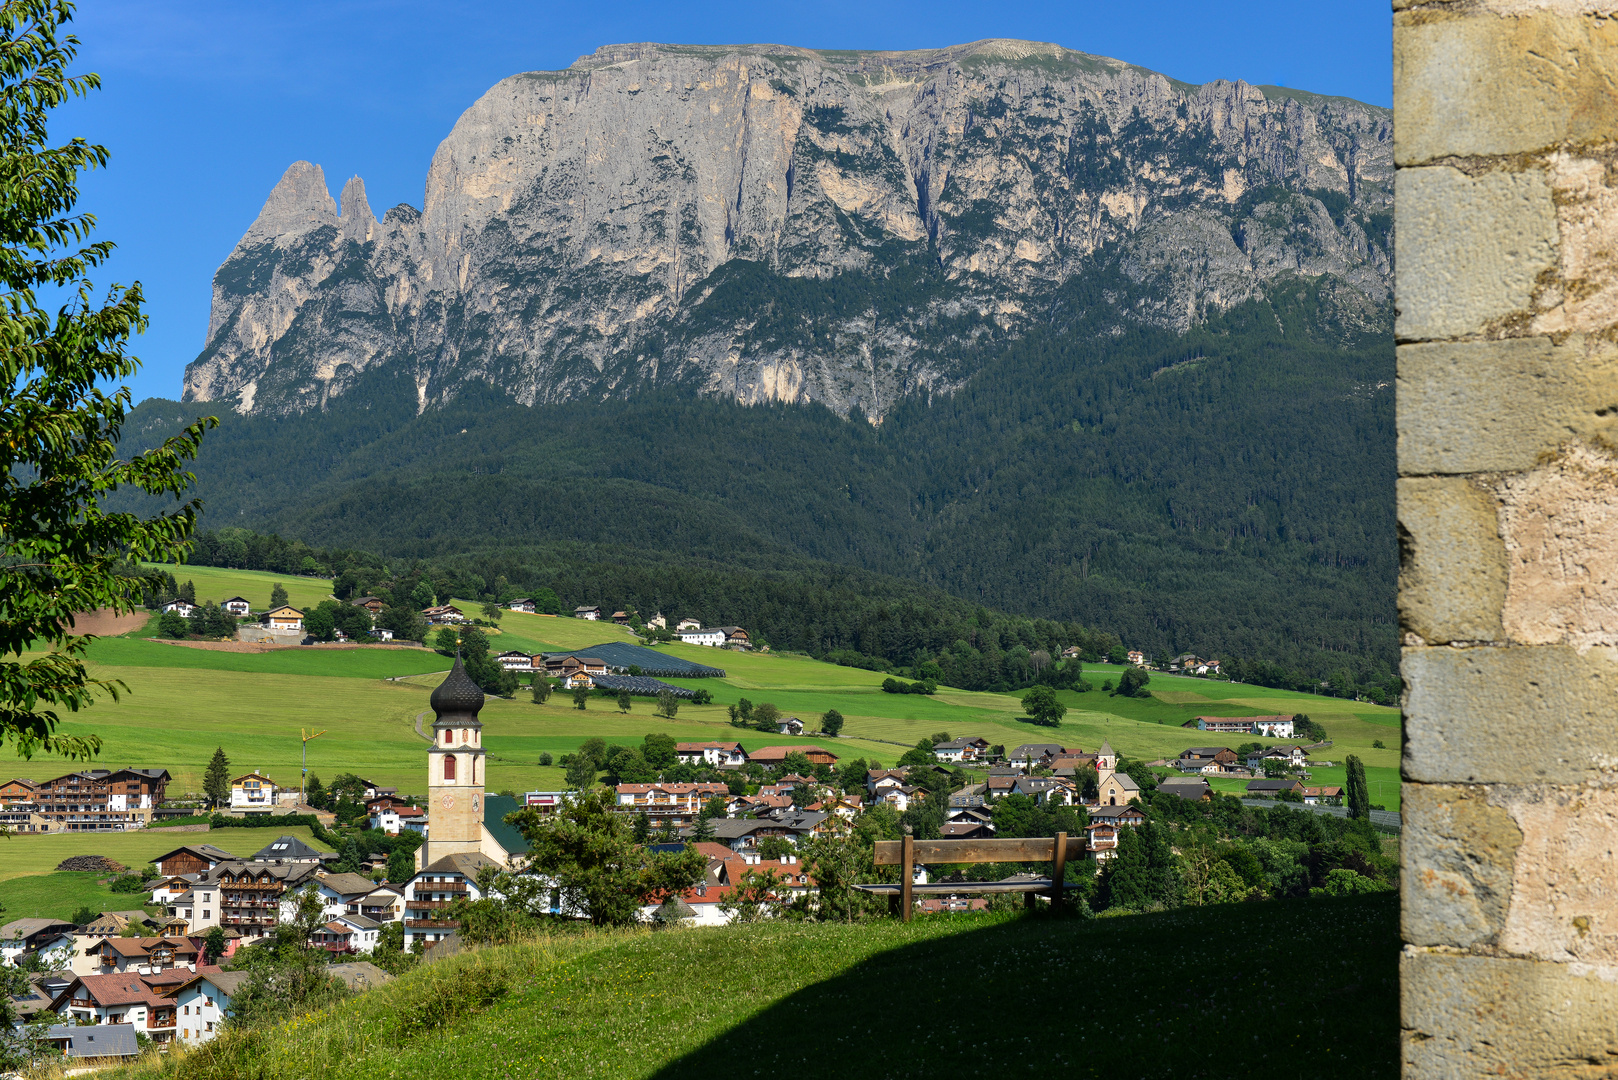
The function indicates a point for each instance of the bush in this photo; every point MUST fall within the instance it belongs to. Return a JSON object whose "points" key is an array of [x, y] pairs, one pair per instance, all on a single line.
{"points": [[545, 758]]}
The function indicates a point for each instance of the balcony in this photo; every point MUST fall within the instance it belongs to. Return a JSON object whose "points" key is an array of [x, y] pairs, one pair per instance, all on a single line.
{"points": [[413, 905], [431, 924]]}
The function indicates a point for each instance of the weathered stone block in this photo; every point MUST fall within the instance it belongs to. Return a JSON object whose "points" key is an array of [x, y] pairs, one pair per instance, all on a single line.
{"points": [[1458, 852], [1564, 889], [1477, 84], [1582, 296], [1476, 1016], [1500, 406], [1452, 564], [1526, 714], [1559, 523], [1469, 249]]}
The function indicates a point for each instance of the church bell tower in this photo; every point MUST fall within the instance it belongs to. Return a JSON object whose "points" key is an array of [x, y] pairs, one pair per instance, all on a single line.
{"points": [[455, 769]]}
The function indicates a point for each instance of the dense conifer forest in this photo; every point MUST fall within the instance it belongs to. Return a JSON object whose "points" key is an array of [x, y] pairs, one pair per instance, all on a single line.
{"points": [[1228, 491]]}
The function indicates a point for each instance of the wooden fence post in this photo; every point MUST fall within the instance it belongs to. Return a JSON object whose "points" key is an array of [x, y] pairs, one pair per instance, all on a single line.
{"points": [[908, 869], [1058, 868]]}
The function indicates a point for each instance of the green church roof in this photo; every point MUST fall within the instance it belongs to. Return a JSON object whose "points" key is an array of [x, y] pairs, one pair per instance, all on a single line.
{"points": [[495, 809]]}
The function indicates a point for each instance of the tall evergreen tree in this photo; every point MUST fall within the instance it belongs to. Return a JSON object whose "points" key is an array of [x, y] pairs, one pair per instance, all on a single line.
{"points": [[1358, 794], [278, 595], [216, 781]]}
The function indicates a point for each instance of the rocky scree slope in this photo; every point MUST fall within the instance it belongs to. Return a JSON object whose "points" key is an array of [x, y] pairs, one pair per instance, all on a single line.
{"points": [[775, 223]]}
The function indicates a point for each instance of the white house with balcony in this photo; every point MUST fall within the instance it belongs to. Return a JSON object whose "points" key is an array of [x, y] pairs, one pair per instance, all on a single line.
{"points": [[253, 793]]}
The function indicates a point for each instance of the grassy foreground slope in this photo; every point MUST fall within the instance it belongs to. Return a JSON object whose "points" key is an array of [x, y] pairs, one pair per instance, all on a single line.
{"points": [[948, 995]]}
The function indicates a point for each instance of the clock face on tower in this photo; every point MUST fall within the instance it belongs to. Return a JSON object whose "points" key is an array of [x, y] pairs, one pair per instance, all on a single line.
{"points": [[449, 801]]}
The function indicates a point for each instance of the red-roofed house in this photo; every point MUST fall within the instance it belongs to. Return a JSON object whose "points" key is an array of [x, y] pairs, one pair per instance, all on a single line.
{"points": [[124, 998], [677, 804], [775, 755], [711, 753]]}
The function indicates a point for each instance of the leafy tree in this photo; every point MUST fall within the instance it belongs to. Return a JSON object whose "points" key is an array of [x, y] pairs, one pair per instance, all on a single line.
{"points": [[314, 793], [920, 754], [545, 758], [319, 623], [581, 772], [1132, 683], [774, 847], [660, 750], [1042, 704], [623, 701], [84, 914], [213, 944], [765, 716], [581, 698], [401, 866], [587, 850], [796, 762], [492, 612], [405, 622], [278, 595], [831, 722], [758, 896], [1357, 793], [171, 624], [667, 704], [216, 781], [422, 595], [541, 689], [625, 765]]}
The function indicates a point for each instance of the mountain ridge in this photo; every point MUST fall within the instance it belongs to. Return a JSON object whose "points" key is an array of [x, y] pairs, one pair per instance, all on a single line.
{"points": [[908, 213]]}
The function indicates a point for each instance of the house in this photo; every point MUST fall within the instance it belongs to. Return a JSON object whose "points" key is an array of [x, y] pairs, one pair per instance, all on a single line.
{"points": [[24, 936], [711, 753], [1032, 754], [114, 923], [443, 615], [514, 660], [434, 888], [743, 834], [687, 624], [284, 617], [1052, 789], [969, 797], [736, 637], [1186, 787], [1072, 652], [726, 871], [203, 1003], [289, 849], [1203, 754], [372, 604], [143, 955], [191, 859], [713, 637], [880, 780], [523, 603], [1223, 725], [341, 893], [789, 725], [182, 607], [253, 793], [676, 804], [658, 621], [1293, 756], [1269, 789], [1137, 658], [101, 800], [347, 935], [966, 748], [776, 755], [935, 905], [898, 797], [391, 818], [1273, 727], [593, 613], [1323, 796], [620, 618], [20, 789], [965, 830], [238, 606], [99, 1042], [255, 896], [138, 1000]]}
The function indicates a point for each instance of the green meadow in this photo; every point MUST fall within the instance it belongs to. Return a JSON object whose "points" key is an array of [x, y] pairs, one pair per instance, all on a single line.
{"points": [[218, 583], [583, 1005], [183, 702]]}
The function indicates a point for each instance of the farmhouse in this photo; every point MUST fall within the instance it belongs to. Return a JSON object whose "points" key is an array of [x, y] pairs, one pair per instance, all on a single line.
{"points": [[711, 753], [966, 748], [443, 614], [593, 613], [1284, 755], [514, 660], [1323, 796], [523, 603], [1272, 727], [687, 624], [1269, 789], [713, 637], [98, 800], [253, 793], [129, 998], [677, 804], [284, 617], [238, 606], [180, 607], [372, 604], [776, 755], [1137, 658], [1186, 787], [203, 1002]]}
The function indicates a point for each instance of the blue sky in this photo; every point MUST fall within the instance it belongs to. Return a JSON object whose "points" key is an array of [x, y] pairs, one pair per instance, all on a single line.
{"points": [[206, 102]]}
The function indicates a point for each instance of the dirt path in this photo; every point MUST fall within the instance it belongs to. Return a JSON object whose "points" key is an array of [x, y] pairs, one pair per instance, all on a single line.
{"points": [[107, 623], [419, 717]]}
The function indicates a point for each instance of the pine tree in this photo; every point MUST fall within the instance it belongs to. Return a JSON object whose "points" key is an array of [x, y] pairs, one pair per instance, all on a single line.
{"points": [[278, 595], [216, 781], [1358, 794]]}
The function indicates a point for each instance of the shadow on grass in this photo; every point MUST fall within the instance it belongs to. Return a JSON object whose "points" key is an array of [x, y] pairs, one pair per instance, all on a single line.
{"points": [[1309, 987]]}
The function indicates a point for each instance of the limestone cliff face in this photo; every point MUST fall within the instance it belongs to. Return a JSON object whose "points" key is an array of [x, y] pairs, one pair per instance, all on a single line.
{"points": [[766, 222]]}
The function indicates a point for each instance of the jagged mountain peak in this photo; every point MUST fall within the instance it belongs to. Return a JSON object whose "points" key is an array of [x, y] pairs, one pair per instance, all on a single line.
{"points": [[766, 222]]}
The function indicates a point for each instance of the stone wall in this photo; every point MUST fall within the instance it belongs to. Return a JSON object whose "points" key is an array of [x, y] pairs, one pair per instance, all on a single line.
{"points": [[1506, 142]]}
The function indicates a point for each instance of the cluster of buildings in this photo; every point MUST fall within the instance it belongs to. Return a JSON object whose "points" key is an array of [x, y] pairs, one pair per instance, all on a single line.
{"points": [[1270, 727], [1221, 761], [87, 800]]}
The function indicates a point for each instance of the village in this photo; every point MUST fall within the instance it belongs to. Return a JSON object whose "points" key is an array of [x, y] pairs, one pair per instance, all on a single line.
{"points": [[161, 972]]}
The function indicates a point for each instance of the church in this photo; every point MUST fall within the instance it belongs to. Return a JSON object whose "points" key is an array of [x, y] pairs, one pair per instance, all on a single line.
{"points": [[466, 829]]}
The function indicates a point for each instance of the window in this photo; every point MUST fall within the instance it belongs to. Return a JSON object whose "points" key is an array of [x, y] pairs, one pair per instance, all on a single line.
{"points": [[446, 736], [449, 765], [185, 1010]]}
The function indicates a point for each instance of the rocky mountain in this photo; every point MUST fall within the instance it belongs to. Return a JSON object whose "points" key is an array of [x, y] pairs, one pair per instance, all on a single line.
{"points": [[773, 223]]}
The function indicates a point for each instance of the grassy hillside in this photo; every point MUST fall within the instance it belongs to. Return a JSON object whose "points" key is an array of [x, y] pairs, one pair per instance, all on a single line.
{"points": [[949, 995], [184, 702], [217, 583]]}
